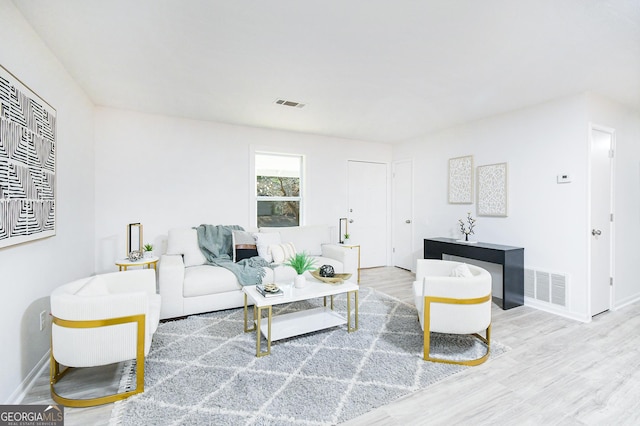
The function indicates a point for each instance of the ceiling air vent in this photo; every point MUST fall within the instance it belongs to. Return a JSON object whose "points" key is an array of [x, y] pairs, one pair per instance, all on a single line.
{"points": [[289, 103]]}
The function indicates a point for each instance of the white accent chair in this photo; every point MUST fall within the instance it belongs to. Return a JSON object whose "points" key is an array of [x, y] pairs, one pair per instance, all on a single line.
{"points": [[454, 298], [101, 320]]}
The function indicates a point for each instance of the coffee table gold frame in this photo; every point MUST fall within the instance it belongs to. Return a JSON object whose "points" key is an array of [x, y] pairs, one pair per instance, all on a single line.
{"points": [[258, 312]]}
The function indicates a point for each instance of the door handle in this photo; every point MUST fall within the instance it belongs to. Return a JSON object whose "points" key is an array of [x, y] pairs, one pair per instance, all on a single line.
{"points": [[407, 221], [596, 232], [350, 220]]}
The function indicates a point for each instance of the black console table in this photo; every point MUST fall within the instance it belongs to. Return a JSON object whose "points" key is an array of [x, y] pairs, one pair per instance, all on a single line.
{"points": [[511, 259]]}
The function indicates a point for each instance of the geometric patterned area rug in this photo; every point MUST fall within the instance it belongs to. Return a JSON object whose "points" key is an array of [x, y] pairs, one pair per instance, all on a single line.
{"points": [[204, 370]]}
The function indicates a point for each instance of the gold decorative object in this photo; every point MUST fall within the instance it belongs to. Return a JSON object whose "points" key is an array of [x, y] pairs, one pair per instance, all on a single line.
{"points": [[336, 279], [271, 288]]}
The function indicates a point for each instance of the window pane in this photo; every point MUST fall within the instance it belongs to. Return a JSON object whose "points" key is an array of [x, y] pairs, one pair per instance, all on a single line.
{"points": [[278, 165], [271, 186], [278, 213]]}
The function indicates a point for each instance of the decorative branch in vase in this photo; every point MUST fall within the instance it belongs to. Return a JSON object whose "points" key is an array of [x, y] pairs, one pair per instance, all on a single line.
{"points": [[467, 228]]}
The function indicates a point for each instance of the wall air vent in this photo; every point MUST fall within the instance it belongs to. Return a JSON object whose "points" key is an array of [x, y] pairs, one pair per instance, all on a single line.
{"points": [[546, 286], [292, 104]]}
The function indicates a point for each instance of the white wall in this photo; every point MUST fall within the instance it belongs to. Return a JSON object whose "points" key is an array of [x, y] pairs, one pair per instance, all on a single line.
{"points": [[547, 219], [29, 271], [168, 172], [626, 123]]}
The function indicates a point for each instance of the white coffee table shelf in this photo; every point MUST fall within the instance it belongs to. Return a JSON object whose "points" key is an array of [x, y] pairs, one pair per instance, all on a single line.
{"points": [[277, 327], [302, 322]]}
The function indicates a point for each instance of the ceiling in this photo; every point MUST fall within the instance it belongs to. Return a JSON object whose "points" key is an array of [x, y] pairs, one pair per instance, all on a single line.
{"points": [[375, 70]]}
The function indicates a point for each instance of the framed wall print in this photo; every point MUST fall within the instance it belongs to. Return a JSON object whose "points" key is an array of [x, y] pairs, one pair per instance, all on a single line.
{"points": [[461, 180], [492, 190], [27, 163]]}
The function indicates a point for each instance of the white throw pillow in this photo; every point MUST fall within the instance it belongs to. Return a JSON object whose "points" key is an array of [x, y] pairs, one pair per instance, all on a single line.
{"points": [[308, 239], [462, 271], [281, 252], [184, 241], [244, 245], [263, 241]]}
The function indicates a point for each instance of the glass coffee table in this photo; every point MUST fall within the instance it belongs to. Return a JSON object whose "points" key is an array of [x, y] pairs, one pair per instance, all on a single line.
{"points": [[291, 324]]}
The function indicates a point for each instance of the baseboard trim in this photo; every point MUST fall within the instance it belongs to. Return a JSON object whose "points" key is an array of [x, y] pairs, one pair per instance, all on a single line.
{"points": [[626, 302], [546, 307], [21, 392]]}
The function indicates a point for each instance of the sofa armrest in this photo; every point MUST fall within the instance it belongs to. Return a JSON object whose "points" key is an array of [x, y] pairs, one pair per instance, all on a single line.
{"points": [[171, 285], [347, 255]]}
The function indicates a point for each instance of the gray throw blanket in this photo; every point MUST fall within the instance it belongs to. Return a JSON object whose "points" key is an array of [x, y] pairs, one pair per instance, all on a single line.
{"points": [[215, 242]]}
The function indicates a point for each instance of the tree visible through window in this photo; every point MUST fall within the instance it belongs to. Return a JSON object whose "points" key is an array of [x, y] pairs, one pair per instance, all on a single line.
{"points": [[278, 182]]}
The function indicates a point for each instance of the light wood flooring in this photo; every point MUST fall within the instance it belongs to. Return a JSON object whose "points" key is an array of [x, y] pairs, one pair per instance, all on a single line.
{"points": [[558, 371]]}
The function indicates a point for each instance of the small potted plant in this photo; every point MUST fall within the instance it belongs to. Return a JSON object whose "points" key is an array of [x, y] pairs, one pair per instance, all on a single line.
{"points": [[148, 250], [301, 262], [346, 237]]}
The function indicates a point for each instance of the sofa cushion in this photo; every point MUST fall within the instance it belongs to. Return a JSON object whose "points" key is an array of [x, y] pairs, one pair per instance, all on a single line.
{"points": [[184, 241], [307, 239], [206, 279], [263, 241], [244, 245], [281, 252]]}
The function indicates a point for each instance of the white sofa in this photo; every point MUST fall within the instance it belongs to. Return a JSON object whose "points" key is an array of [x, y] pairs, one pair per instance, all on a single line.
{"points": [[188, 285]]}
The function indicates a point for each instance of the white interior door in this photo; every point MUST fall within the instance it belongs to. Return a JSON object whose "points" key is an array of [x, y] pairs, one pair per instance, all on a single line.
{"points": [[367, 211], [402, 214], [601, 219]]}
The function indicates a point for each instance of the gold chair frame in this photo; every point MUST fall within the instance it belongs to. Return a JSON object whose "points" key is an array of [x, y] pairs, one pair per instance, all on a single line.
{"points": [[55, 374], [428, 300]]}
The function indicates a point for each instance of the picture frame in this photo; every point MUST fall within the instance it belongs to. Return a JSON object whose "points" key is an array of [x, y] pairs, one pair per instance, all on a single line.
{"points": [[342, 229], [460, 186], [134, 238], [492, 190], [27, 163]]}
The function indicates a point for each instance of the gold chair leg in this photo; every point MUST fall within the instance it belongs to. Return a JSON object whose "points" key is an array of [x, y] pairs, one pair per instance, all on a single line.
{"points": [[426, 315], [469, 362]]}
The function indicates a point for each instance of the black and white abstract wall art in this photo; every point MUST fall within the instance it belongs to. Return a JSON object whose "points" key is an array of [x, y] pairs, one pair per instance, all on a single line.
{"points": [[27, 163]]}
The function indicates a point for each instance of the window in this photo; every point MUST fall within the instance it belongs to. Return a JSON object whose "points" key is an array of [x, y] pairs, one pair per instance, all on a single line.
{"points": [[278, 189]]}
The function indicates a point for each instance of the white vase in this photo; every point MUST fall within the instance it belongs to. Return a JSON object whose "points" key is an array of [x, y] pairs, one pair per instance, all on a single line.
{"points": [[148, 254], [299, 281]]}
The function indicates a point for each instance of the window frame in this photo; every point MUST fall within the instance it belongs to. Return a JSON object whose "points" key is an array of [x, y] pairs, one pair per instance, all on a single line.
{"points": [[255, 198]]}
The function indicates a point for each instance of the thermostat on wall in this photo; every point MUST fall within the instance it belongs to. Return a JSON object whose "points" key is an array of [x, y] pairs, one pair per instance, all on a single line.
{"points": [[564, 178]]}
